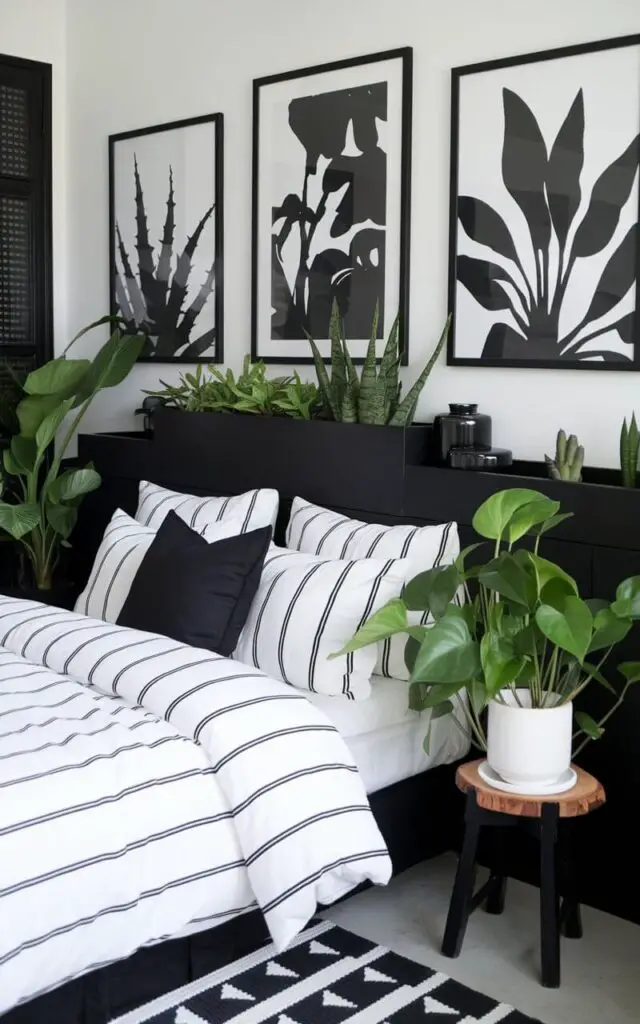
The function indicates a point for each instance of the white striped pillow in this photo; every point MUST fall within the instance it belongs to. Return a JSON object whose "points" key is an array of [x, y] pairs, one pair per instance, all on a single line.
{"points": [[319, 531], [255, 508], [123, 546], [307, 608]]}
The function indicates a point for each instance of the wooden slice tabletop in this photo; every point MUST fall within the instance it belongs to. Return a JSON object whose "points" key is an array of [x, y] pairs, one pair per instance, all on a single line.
{"points": [[586, 795]]}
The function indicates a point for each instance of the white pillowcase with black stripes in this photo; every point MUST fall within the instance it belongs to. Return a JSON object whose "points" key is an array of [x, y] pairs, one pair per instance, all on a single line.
{"points": [[123, 546], [309, 607], [254, 509], [321, 532]]}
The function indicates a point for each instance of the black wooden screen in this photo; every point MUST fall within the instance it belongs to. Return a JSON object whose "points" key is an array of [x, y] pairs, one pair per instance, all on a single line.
{"points": [[25, 226]]}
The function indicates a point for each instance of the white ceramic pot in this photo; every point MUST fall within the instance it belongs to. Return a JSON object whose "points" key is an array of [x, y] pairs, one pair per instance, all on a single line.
{"points": [[528, 746]]}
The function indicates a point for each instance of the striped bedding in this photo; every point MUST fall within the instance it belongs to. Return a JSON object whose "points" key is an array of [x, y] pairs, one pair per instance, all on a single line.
{"points": [[148, 788]]}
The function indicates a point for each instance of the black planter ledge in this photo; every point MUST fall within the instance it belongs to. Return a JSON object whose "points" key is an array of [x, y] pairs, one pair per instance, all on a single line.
{"points": [[366, 464]]}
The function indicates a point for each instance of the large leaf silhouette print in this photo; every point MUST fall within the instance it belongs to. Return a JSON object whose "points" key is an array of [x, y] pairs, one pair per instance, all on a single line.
{"points": [[524, 166], [565, 166], [610, 192], [546, 184]]}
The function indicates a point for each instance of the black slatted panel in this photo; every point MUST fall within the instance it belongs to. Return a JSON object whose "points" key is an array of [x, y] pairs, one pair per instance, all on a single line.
{"points": [[25, 226]]}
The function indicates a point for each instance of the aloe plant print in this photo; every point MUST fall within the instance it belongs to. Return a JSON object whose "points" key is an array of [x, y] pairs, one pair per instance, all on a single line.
{"points": [[564, 292], [165, 252]]}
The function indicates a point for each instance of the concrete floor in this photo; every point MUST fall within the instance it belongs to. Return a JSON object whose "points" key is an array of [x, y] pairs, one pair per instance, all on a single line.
{"points": [[600, 972]]}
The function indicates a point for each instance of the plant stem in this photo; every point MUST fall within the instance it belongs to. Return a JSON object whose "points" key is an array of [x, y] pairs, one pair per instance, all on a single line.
{"points": [[605, 718], [474, 726]]}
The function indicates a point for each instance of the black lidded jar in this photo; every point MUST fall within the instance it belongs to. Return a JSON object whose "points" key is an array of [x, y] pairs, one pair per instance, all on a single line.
{"points": [[462, 427]]}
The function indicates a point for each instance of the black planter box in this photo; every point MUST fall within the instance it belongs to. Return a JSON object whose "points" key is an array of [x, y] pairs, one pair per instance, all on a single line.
{"points": [[318, 459]]}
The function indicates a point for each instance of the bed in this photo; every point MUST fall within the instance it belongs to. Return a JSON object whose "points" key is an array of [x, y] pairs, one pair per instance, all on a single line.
{"points": [[163, 799]]}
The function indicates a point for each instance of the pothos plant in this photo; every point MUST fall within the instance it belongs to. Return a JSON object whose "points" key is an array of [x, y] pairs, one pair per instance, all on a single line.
{"points": [[45, 497], [523, 624]]}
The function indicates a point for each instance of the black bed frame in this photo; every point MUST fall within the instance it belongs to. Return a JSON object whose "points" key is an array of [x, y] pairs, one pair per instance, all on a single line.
{"points": [[376, 475]]}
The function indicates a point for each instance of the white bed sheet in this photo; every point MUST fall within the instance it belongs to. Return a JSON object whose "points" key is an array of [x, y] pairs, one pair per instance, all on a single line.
{"points": [[386, 738]]}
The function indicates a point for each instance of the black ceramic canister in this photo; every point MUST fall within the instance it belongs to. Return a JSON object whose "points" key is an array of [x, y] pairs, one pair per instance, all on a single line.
{"points": [[462, 427]]}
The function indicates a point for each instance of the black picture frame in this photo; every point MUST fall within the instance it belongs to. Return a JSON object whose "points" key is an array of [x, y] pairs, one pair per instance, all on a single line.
{"points": [[632, 321], [216, 263], [405, 56]]}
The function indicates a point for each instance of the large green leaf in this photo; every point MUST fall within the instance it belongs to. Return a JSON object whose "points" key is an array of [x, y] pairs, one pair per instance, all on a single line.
{"points": [[448, 654], [627, 602], [19, 520], [112, 364], [52, 423], [386, 622], [547, 571], [432, 590], [434, 694], [541, 528], [569, 629], [588, 725], [609, 629], [24, 451], [57, 377], [500, 664], [32, 410], [62, 518], [72, 484], [630, 670], [495, 514], [534, 513], [10, 464], [478, 695], [438, 711], [507, 577], [412, 646]]}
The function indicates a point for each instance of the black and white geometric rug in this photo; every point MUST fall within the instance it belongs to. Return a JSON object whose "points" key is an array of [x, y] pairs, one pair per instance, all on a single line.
{"points": [[326, 976]]}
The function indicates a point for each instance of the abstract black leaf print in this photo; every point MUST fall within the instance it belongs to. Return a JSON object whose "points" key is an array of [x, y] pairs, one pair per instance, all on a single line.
{"points": [[564, 170], [524, 166], [484, 225], [610, 192], [530, 280], [483, 281], [329, 237]]}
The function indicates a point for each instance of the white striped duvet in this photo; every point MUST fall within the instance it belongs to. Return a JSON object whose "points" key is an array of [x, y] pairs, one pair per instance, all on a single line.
{"points": [[117, 829]]}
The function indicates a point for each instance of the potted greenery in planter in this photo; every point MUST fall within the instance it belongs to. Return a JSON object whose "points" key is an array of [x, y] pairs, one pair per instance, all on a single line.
{"points": [[523, 646], [353, 426], [43, 497]]}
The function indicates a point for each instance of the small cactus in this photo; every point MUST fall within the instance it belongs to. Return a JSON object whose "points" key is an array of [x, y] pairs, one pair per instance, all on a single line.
{"points": [[629, 449], [569, 459]]}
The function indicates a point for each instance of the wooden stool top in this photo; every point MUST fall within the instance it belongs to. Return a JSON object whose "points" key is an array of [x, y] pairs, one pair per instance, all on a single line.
{"points": [[586, 795]]}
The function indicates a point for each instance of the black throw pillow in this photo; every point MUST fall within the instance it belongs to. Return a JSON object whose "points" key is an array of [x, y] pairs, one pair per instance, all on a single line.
{"points": [[194, 592]]}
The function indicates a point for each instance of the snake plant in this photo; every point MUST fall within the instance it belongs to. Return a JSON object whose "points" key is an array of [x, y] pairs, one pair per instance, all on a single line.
{"points": [[374, 397], [629, 449]]}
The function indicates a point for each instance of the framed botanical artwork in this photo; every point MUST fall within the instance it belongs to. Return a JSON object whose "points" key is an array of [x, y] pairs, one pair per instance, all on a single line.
{"points": [[544, 249], [166, 237], [331, 194]]}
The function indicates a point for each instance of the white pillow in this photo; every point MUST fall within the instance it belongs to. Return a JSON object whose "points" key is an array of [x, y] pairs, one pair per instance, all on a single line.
{"points": [[307, 608], [254, 508], [123, 546], [319, 531]]}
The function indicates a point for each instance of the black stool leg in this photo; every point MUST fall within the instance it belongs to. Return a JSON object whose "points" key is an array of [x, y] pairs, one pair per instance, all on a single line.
{"points": [[462, 894], [497, 884], [570, 916], [549, 917]]}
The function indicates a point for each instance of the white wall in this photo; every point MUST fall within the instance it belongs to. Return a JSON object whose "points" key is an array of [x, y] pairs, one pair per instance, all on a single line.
{"points": [[139, 62], [36, 30]]}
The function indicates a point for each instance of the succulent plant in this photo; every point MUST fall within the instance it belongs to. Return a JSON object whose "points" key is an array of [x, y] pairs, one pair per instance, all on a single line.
{"points": [[629, 450], [374, 396], [568, 461]]}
